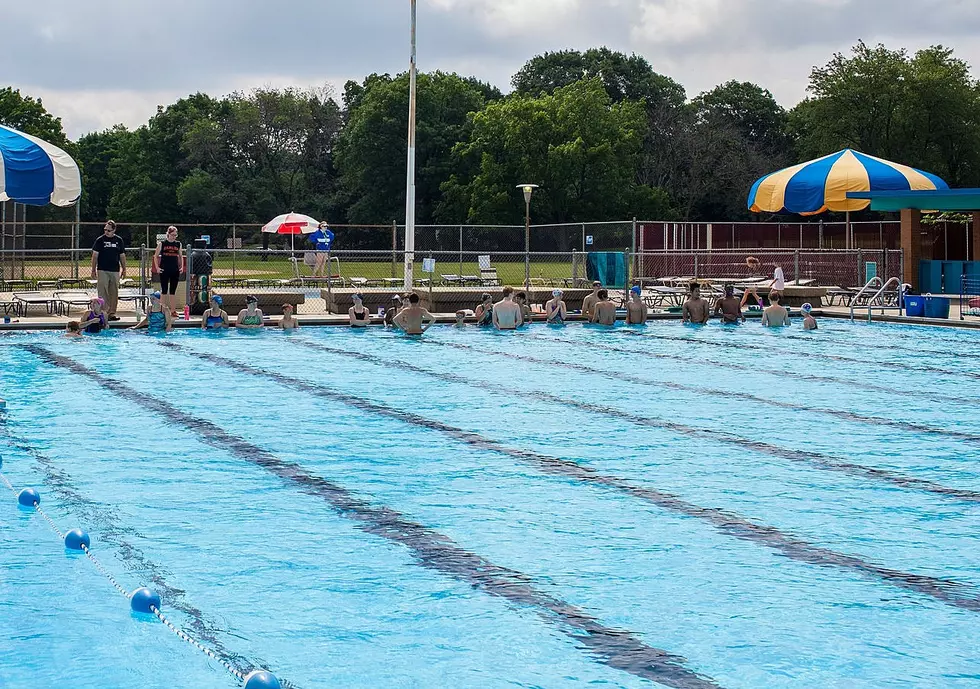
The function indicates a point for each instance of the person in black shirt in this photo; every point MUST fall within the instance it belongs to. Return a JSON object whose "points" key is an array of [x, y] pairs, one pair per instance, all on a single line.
{"points": [[109, 267], [168, 261]]}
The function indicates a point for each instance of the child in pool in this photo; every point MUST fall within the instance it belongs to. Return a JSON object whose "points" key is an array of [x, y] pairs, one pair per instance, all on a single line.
{"points": [[95, 319], [809, 322], [288, 320], [215, 317], [157, 319], [73, 329]]}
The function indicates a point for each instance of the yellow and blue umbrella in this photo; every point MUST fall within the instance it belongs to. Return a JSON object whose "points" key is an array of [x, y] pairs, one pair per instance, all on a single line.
{"points": [[823, 184]]}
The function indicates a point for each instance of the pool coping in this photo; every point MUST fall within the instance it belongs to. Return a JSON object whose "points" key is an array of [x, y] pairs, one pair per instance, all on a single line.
{"points": [[341, 320]]}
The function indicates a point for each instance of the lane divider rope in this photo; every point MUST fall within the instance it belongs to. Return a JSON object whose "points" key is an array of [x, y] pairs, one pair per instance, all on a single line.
{"points": [[257, 679]]}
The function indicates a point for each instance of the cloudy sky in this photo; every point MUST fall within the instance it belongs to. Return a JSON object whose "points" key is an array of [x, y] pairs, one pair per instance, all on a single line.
{"points": [[100, 62]]}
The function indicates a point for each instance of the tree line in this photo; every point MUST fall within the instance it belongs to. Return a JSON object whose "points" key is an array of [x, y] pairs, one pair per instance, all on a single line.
{"points": [[604, 135]]}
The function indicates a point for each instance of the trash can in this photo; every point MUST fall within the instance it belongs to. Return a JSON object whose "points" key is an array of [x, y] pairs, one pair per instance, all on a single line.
{"points": [[915, 305], [937, 307]]}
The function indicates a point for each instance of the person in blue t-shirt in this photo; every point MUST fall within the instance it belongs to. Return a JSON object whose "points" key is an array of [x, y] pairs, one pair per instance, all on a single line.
{"points": [[322, 240]]}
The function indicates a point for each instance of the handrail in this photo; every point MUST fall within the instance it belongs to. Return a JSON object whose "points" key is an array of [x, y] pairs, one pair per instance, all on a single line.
{"points": [[878, 296]]}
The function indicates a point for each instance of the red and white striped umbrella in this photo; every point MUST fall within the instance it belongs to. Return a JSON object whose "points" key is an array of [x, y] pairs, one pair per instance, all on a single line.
{"points": [[291, 223]]}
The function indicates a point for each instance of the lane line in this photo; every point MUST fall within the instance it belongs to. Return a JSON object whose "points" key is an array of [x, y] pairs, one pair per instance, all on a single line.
{"points": [[106, 523], [848, 382], [617, 648], [893, 348], [731, 394], [817, 355], [947, 591], [810, 457]]}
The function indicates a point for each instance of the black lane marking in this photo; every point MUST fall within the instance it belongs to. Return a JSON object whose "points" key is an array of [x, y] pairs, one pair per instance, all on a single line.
{"points": [[816, 459], [728, 523], [616, 648], [744, 396], [857, 384], [892, 348], [95, 517], [826, 357]]}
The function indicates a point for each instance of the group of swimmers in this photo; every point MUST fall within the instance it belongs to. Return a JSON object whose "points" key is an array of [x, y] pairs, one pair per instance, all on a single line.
{"points": [[510, 313]]}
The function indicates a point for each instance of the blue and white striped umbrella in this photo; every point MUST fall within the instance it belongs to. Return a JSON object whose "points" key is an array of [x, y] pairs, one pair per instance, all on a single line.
{"points": [[35, 172]]}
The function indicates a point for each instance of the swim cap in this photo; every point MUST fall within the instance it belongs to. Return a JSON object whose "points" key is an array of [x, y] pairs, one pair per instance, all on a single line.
{"points": [[806, 308], [636, 290], [251, 298], [556, 293], [156, 295], [358, 296], [216, 298]]}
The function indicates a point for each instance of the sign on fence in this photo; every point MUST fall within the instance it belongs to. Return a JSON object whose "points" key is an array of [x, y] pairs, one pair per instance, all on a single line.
{"points": [[589, 240], [428, 265]]}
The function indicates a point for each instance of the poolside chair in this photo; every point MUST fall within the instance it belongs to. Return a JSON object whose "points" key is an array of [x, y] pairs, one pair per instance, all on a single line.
{"points": [[29, 299], [488, 274], [69, 298]]}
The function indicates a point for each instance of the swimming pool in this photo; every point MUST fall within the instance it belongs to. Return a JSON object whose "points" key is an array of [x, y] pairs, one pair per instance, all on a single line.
{"points": [[658, 506]]}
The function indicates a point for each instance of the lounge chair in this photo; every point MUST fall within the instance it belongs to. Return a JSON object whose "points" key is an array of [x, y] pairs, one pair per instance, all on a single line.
{"points": [[69, 298], [29, 299], [488, 274]]}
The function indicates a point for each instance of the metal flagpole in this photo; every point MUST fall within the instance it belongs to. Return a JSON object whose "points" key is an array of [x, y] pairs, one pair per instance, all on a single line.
{"points": [[410, 191]]}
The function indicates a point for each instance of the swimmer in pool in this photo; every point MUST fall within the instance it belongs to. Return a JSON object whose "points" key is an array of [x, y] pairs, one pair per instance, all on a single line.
{"points": [[484, 311], [506, 312], [410, 319], [157, 318], [588, 304], [696, 309], [396, 306], [604, 312], [215, 317], [73, 329], [521, 300], [636, 310], [288, 320], [250, 318], [728, 307], [555, 310], [460, 320], [359, 316], [809, 322], [775, 316]]}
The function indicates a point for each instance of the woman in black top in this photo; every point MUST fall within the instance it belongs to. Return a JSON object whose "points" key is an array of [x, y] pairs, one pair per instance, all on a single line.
{"points": [[358, 314], [168, 260]]}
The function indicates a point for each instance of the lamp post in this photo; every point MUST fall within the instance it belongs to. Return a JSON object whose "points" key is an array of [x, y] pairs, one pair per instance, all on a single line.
{"points": [[528, 189], [410, 185]]}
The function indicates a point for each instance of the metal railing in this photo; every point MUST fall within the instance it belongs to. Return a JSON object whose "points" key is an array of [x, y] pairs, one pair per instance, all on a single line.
{"points": [[881, 299]]}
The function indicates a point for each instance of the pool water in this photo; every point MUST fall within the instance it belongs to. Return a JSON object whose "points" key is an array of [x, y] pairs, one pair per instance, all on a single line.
{"points": [[560, 507]]}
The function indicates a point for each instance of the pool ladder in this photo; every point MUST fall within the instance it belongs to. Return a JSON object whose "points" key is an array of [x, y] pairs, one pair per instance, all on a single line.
{"points": [[878, 299]]}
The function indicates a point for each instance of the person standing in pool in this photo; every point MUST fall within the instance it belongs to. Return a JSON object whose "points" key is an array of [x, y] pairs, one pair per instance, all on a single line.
{"points": [[215, 317], [636, 310], [358, 315], [411, 318], [506, 313], [604, 311], [168, 261], [696, 310], [521, 299], [460, 319], [396, 305], [250, 318], [484, 312], [809, 322], [775, 316], [728, 307], [588, 304], [95, 320], [555, 310], [157, 318], [288, 320]]}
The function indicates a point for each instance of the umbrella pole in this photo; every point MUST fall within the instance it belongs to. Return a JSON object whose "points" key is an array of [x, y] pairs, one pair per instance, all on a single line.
{"points": [[847, 231]]}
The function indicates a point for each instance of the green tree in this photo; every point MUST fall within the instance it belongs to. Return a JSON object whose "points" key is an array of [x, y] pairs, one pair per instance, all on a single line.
{"points": [[95, 154], [28, 115], [373, 146], [576, 143]]}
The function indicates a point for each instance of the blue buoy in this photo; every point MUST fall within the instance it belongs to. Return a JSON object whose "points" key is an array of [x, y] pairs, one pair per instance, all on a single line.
{"points": [[142, 599], [76, 538], [28, 497], [260, 679]]}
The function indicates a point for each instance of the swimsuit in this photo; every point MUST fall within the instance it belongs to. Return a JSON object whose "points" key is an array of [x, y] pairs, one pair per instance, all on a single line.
{"points": [[254, 319], [360, 316], [156, 321], [213, 322], [556, 316], [487, 317], [97, 326]]}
